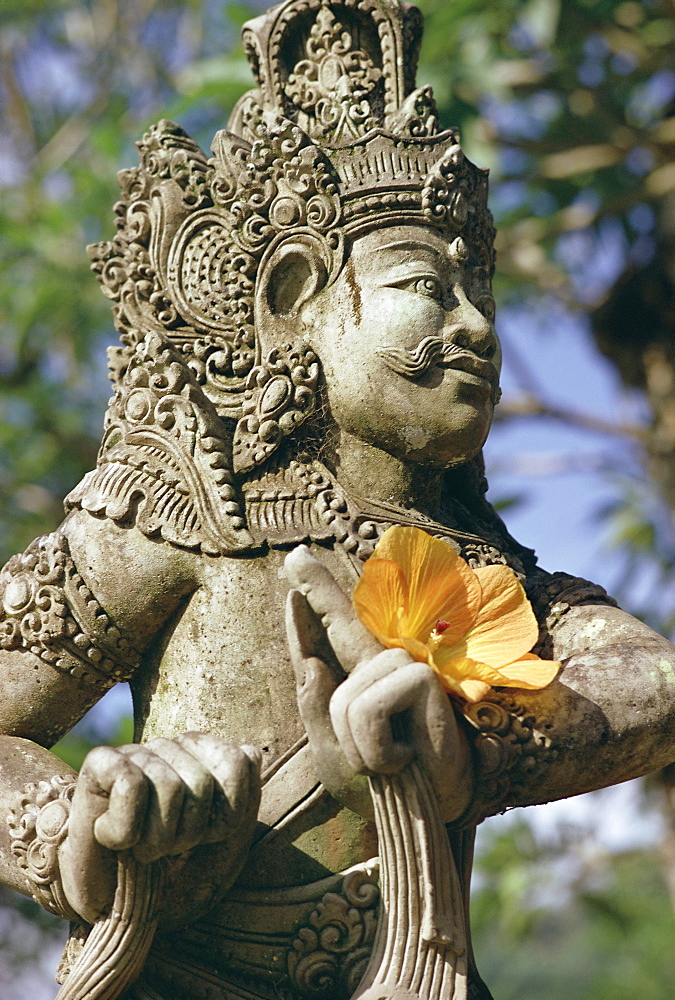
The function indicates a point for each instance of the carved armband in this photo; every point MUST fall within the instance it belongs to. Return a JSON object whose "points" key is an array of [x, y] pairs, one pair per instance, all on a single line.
{"points": [[512, 749], [47, 609], [553, 594], [38, 825]]}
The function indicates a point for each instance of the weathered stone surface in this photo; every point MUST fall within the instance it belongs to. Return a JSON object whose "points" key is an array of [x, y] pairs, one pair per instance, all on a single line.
{"points": [[307, 357]]}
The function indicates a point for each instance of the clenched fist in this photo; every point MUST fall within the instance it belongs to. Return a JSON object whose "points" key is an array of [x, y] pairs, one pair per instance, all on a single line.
{"points": [[165, 798], [385, 709]]}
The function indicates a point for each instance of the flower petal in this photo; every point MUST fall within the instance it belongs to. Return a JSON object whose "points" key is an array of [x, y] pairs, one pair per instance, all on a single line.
{"points": [[464, 666], [465, 676], [441, 585], [380, 599], [504, 628], [529, 672], [417, 649], [473, 691]]}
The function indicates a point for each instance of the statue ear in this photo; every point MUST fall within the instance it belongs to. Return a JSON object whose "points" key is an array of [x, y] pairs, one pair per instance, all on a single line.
{"points": [[294, 270], [297, 276]]}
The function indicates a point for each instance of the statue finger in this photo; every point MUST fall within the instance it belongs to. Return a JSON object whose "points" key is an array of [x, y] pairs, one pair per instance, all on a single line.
{"points": [[111, 797], [443, 750], [316, 682], [350, 640], [199, 791], [372, 723], [236, 771], [350, 692], [364, 707], [165, 803], [315, 678]]}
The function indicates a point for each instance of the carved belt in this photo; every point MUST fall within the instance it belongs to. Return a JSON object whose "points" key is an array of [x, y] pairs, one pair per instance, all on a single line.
{"points": [[298, 942]]}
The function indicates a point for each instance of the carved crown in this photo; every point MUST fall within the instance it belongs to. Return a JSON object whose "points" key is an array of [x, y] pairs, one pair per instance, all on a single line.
{"points": [[337, 69], [334, 139], [344, 73]]}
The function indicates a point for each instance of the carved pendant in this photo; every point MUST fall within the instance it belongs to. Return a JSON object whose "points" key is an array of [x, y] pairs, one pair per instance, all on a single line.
{"points": [[420, 950], [117, 947]]}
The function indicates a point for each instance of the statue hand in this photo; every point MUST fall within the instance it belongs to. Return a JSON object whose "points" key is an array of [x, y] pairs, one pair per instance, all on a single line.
{"points": [[159, 799], [387, 710]]}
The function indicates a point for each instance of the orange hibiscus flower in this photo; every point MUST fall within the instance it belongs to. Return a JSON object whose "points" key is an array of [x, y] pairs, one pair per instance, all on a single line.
{"points": [[475, 627]]}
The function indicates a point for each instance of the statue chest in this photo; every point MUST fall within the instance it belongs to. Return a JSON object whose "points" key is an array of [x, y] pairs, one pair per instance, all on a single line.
{"points": [[222, 663]]}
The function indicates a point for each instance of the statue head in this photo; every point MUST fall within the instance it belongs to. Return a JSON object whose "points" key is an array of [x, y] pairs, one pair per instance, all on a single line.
{"points": [[337, 246]]}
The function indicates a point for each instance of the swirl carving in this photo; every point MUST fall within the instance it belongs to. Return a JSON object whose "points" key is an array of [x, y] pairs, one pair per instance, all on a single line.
{"points": [[512, 748], [329, 954], [38, 825]]}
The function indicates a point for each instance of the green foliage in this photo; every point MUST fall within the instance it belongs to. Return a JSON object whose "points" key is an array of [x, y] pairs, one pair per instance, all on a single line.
{"points": [[638, 525], [575, 100], [566, 101], [567, 920], [75, 745]]}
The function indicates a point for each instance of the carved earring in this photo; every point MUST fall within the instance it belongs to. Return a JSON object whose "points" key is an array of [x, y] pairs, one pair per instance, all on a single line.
{"points": [[280, 395]]}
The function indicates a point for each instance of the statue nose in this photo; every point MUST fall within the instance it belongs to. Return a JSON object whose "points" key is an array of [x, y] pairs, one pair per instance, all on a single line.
{"points": [[469, 328]]}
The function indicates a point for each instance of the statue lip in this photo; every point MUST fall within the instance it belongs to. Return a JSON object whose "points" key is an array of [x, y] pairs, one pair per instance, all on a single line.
{"points": [[467, 361]]}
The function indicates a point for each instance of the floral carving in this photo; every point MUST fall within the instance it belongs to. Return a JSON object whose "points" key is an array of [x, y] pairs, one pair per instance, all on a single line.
{"points": [[279, 185], [280, 395], [445, 195], [38, 824], [286, 185], [281, 503], [165, 463], [330, 84], [34, 604], [330, 953]]}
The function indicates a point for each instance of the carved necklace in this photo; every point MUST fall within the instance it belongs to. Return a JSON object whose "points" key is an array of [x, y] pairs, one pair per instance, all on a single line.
{"points": [[301, 501]]}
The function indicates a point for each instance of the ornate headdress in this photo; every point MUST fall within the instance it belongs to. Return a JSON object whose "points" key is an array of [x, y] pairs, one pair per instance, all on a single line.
{"points": [[334, 140]]}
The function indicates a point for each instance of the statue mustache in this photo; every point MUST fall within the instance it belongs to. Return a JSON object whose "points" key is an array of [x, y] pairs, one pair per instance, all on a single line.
{"points": [[430, 351]]}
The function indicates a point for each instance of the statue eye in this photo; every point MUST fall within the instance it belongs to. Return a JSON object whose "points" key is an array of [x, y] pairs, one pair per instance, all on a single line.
{"points": [[427, 286], [486, 304]]}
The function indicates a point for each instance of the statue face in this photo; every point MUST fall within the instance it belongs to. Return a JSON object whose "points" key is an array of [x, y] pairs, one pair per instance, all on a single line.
{"points": [[410, 360]]}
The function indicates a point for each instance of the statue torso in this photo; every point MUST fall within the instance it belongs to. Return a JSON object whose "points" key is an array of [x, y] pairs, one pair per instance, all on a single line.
{"points": [[222, 665]]}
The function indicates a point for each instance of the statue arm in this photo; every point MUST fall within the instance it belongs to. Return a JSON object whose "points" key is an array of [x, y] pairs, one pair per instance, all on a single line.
{"points": [[79, 608], [616, 693], [609, 715], [77, 611]]}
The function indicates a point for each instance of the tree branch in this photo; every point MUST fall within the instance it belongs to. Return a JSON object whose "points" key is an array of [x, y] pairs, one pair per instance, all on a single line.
{"points": [[529, 405]]}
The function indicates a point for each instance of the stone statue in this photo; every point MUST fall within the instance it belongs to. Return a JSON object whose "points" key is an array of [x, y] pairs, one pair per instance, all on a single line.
{"points": [[307, 358]]}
